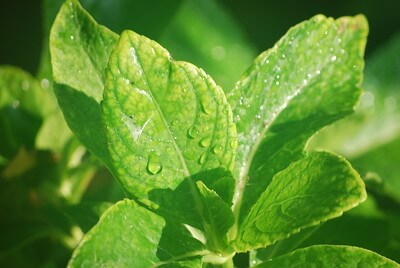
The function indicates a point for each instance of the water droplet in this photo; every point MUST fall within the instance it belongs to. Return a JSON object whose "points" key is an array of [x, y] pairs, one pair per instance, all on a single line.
{"points": [[283, 56], [267, 61], [217, 149], [25, 85], [318, 72], [218, 53], [277, 83], [331, 49], [192, 132], [153, 164], [174, 122], [233, 143], [333, 58], [45, 83], [72, 37], [15, 104], [202, 158], [205, 142], [205, 106]]}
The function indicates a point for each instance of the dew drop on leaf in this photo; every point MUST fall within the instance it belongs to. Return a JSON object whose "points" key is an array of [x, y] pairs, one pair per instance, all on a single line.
{"points": [[205, 142], [153, 164], [192, 132], [205, 107], [202, 158], [217, 149]]}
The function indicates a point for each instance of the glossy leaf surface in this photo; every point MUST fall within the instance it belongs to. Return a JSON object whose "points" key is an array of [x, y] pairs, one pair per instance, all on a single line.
{"points": [[308, 80]]}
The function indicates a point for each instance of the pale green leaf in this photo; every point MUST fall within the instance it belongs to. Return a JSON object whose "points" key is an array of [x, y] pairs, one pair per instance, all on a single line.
{"points": [[309, 79], [128, 235], [316, 188], [325, 256], [80, 49], [168, 124]]}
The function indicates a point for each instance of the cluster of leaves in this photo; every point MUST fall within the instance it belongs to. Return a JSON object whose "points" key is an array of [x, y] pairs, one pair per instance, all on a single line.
{"points": [[208, 173]]}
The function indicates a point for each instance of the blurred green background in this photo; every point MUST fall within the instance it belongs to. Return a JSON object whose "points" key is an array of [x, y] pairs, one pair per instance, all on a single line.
{"points": [[261, 22]]}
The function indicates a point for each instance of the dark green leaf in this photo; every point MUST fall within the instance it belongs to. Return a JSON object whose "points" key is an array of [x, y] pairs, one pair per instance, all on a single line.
{"points": [[80, 49]]}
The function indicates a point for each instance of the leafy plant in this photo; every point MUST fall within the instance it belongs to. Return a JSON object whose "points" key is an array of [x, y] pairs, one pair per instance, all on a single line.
{"points": [[208, 172]]}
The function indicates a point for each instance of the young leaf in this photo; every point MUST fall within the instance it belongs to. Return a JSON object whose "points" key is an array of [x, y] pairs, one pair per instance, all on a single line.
{"points": [[309, 79], [80, 50], [330, 256], [218, 216], [316, 188], [129, 235], [167, 124]]}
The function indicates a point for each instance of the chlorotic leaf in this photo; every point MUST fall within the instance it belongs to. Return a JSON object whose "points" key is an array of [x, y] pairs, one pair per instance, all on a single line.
{"points": [[326, 256], [128, 235], [316, 188], [80, 50], [168, 124], [308, 80]]}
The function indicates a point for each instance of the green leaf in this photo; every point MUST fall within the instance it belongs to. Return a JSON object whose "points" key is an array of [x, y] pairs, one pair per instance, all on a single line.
{"points": [[308, 80], [80, 50], [316, 188], [168, 125], [353, 228], [128, 235], [330, 256], [377, 118], [218, 216]]}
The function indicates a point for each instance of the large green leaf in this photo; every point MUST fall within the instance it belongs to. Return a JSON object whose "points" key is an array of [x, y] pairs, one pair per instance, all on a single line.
{"points": [[80, 49], [167, 124], [129, 235], [352, 228], [309, 79], [330, 256], [316, 188]]}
